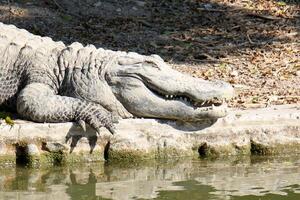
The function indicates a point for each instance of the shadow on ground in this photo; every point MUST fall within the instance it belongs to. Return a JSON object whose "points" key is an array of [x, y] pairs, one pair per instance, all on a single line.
{"points": [[179, 31]]}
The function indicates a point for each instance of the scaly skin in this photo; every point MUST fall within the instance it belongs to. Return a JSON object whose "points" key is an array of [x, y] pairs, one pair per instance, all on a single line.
{"points": [[34, 78], [47, 81]]}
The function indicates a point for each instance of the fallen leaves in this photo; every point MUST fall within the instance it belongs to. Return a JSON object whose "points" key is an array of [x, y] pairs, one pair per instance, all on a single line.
{"points": [[253, 44]]}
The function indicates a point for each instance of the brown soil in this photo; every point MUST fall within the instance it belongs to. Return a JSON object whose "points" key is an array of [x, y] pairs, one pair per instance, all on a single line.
{"points": [[253, 44]]}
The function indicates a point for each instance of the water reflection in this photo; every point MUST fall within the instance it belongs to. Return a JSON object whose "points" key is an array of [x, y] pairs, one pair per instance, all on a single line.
{"points": [[247, 178]]}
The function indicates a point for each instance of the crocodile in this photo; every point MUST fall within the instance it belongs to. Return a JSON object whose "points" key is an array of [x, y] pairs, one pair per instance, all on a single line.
{"points": [[47, 81]]}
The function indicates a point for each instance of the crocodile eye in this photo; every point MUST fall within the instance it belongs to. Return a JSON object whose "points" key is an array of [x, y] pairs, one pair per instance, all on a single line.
{"points": [[107, 77], [126, 60]]}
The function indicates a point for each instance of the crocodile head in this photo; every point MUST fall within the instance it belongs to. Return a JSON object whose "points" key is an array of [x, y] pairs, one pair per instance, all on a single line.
{"points": [[147, 87]]}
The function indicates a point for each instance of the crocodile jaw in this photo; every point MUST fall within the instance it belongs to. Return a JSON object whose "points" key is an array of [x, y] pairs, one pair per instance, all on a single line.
{"points": [[155, 90]]}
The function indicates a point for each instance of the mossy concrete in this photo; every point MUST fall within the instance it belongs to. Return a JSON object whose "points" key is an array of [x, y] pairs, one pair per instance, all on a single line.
{"points": [[267, 131], [134, 156], [7, 161]]}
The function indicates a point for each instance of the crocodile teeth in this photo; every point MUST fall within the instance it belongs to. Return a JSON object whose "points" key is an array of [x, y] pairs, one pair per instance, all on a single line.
{"points": [[203, 102]]}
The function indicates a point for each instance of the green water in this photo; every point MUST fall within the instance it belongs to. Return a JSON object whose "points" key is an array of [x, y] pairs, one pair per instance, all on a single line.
{"points": [[260, 178]]}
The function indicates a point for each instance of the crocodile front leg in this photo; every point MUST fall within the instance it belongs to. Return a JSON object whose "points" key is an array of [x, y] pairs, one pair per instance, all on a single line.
{"points": [[38, 102]]}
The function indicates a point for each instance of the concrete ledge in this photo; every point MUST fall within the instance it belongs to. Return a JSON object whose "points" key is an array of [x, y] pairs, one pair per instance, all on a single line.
{"points": [[274, 130]]}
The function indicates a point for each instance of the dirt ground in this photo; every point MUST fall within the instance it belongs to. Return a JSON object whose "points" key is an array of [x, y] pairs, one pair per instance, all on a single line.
{"points": [[253, 44]]}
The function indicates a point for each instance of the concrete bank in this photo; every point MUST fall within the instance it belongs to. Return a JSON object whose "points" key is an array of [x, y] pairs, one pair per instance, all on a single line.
{"points": [[273, 130]]}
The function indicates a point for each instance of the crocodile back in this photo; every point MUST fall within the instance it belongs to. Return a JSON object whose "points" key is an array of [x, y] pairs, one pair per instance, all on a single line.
{"points": [[18, 52]]}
